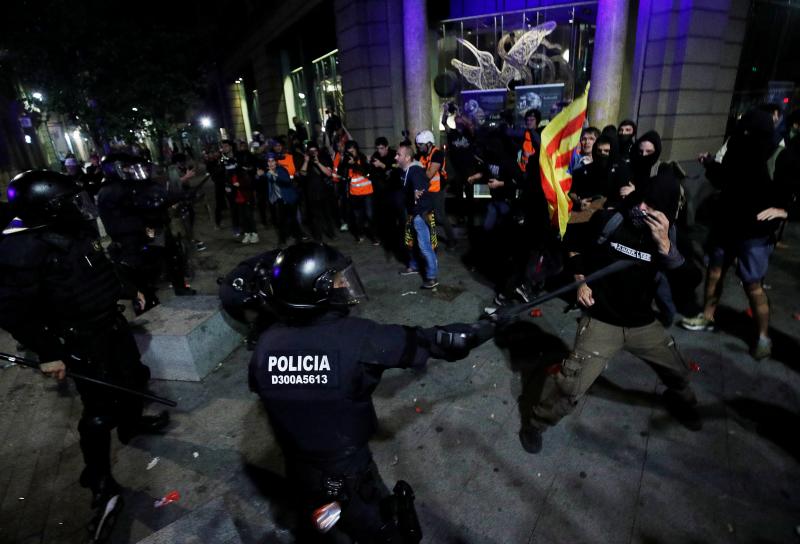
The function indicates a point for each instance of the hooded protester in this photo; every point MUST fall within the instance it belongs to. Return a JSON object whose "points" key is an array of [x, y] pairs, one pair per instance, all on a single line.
{"points": [[644, 164], [619, 312], [751, 208], [594, 179], [627, 137]]}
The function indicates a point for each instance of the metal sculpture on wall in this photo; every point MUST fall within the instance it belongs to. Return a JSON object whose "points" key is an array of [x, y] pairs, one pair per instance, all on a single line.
{"points": [[520, 59]]}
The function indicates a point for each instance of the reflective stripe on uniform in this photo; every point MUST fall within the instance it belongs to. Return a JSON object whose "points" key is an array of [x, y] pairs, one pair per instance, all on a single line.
{"points": [[435, 182], [360, 186]]}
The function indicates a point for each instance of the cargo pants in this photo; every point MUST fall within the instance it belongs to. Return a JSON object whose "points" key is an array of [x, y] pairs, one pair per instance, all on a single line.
{"points": [[596, 343]]}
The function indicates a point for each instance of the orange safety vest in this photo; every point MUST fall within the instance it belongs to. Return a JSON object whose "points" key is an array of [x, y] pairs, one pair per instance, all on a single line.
{"points": [[527, 151], [435, 182], [360, 185], [337, 158], [287, 162]]}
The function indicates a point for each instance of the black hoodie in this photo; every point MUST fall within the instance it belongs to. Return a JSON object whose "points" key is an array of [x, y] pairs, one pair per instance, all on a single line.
{"points": [[744, 180]]}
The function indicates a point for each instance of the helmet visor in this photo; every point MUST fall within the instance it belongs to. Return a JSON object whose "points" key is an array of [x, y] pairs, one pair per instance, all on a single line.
{"points": [[85, 206], [347, 287], [132, 171]]}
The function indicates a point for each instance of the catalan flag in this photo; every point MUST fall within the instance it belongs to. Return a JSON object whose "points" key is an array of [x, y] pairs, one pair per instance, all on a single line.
{"points": [[559, 139]]}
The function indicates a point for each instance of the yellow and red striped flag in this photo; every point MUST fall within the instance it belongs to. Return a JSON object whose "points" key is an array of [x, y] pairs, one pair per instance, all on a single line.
{"points": [[559, 139]]}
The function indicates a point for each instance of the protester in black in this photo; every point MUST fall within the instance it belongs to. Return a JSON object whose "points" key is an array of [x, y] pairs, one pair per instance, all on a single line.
{"points": [[619, 314], [315, 177]]}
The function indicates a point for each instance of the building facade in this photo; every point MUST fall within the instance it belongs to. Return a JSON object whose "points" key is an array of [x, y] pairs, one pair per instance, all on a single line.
{"points": [[388, 66]]}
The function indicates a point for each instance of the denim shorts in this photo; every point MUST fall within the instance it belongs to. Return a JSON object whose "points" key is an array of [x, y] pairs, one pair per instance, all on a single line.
{"points": [[752, 256]]}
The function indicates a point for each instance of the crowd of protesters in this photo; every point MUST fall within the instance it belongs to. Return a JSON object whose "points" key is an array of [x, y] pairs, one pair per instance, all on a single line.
{"points": [[318, 184]]}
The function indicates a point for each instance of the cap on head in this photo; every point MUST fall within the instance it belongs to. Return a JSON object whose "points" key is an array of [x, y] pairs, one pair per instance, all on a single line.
{"points": [[424, 137]]}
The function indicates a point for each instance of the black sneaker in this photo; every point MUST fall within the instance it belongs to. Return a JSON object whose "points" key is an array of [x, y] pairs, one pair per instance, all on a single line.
{"points": [[429, 284], [531, 439], [685, 411]]}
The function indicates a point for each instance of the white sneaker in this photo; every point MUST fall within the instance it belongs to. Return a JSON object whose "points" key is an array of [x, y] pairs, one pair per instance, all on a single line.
{"points": [[253, 237], [246, 238]]}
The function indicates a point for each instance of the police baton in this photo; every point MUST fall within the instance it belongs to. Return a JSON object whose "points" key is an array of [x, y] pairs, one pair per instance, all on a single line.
{"points": [[506, 314], [22, 361]]}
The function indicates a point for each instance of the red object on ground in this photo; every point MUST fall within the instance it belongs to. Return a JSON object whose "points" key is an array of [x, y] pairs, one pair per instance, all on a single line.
{"points": [[536, 312], [417, 409], [694, 367], [749, 312], [172, 496]]}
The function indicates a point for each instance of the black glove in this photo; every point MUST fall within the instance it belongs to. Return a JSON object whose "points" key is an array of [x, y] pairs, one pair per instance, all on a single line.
{"points": [[453, 342]]}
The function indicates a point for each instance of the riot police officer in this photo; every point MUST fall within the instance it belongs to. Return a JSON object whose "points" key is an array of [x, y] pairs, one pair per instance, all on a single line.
{"points": [[58, 297], [133, 208], [246, 295], [315, 372]]}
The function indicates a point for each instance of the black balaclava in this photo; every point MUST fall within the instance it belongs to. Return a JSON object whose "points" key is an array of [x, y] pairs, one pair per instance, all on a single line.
{"points": [[626, 139], [752, 139], [602, 162], [662, 193], [642, 165]]}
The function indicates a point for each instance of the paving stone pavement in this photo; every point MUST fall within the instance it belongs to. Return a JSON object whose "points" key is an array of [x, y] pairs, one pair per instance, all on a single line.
{"points": [[618, 470]]}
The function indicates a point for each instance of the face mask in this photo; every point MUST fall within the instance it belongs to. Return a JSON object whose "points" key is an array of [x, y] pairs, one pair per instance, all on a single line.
{"points": [[642, 165]]}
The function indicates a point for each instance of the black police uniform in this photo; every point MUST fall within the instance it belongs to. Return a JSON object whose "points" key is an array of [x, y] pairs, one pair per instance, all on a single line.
{"points": [[58, 294], [316, 382], [127, 208]]}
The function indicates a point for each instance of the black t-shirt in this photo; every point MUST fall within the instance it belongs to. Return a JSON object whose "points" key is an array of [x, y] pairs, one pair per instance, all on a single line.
{"points": [[380, 176], [461, 151], [505, 171]]}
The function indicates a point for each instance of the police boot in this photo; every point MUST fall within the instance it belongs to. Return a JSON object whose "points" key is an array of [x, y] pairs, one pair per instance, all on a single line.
{"points": [[143, 425], [106, 502], [531, 439]]}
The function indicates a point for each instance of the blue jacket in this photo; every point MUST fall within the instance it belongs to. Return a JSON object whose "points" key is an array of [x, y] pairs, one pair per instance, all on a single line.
{"points": [[281, 186]]}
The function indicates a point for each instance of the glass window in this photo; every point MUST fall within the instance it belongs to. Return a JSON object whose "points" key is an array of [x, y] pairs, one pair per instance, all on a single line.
{"points": [[537, 58]]}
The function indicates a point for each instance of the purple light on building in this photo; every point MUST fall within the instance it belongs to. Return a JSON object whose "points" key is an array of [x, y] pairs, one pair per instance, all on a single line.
{"points": [[12, 193]]}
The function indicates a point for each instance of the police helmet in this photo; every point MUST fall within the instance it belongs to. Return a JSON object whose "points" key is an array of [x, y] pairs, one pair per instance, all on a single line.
{"points": [[124, 166], [246, 291], [311, 275], [43, 197]]}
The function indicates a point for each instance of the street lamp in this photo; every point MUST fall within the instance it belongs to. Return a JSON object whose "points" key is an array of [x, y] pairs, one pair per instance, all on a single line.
{"points": [[205, 122], [38, 96]]}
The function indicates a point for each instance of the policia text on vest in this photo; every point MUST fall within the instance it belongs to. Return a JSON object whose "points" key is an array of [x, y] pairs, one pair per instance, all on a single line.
{"points": [[302, 369]]}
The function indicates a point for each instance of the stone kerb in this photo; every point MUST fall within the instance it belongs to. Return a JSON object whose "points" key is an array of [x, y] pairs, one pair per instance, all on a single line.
{"points": [[185, 338]]}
